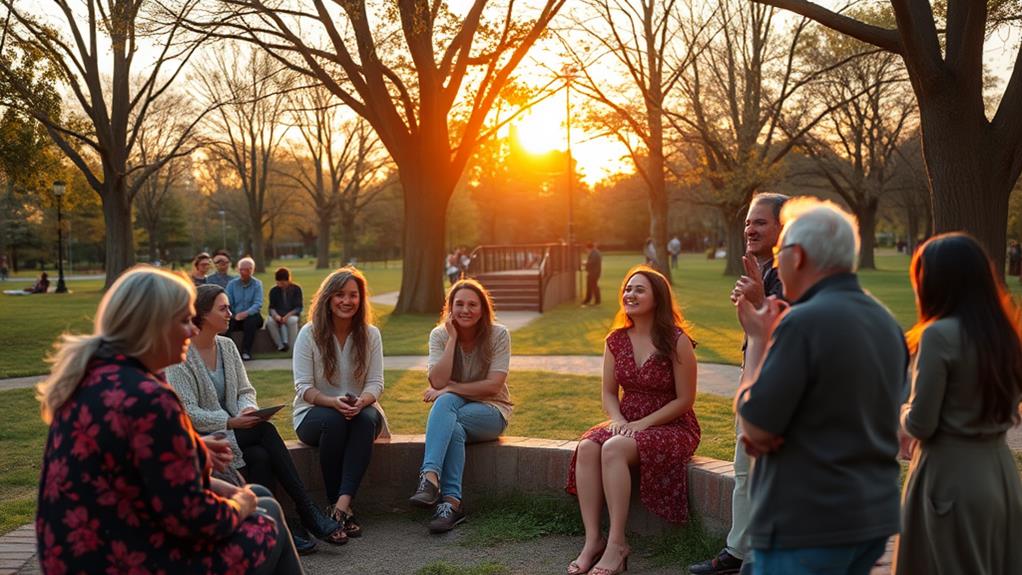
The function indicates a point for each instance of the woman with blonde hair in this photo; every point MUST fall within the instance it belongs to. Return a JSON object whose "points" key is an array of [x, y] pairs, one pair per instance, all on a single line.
{"points": [[125, 478], [962, 504], [469, 357], [650, 360], [338, 371]]}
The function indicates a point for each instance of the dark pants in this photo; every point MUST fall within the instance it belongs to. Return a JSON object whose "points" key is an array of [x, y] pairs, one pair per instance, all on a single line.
{"points": [[267, 461], [250, 325], [592, 289], [283, 558], [345, 446]]}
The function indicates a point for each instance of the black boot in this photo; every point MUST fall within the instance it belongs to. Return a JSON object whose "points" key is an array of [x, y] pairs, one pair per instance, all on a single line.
{"points": [[320, 524]]}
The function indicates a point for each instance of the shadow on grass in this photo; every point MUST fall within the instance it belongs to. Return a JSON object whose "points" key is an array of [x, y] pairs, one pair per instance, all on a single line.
{"points": [[519, 517], [683, 546]]}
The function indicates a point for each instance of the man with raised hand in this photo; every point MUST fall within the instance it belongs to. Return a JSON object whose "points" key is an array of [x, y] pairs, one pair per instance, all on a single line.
{"points": [[762, 228], [818, 405]]}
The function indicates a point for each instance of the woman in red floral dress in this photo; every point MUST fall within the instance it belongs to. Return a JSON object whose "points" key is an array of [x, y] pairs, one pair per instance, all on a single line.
{"points": [[652, 425], [125, 485]]}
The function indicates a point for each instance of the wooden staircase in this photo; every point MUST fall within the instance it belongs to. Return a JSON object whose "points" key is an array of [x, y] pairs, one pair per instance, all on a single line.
{"points": [[526, 277], [516, 290]]}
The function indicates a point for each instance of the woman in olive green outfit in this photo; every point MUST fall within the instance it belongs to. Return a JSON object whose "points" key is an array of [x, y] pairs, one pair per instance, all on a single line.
{"points": [[962, 505]]}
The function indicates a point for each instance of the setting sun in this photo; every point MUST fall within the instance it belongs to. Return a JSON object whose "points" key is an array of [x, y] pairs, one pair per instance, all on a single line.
{"points": [[543, 129]]}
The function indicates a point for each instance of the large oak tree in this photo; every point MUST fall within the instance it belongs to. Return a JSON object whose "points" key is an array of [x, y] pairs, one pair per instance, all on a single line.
{"points": [[94, 46], [973, 161], [423, 77]]}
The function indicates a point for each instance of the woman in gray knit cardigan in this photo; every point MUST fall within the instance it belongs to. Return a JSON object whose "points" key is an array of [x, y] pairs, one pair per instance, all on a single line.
{"points": [[218, 397]]}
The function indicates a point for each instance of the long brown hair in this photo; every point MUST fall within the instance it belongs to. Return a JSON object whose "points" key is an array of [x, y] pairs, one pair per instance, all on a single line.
{"points": [[952, 276], [322, 319], [484, 328], [667, 316]]}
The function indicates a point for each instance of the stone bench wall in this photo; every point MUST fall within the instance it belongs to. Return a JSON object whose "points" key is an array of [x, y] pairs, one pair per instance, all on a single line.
{"points": [[514, 465]]}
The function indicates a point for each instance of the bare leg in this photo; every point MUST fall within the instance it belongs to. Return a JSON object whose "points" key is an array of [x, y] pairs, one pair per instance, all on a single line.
{"points": [[589, 482], [619, 454]]}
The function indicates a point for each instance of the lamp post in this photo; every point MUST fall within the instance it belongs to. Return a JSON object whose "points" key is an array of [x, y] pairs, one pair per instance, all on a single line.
{"points": [[58, 190], [223, 231], [568, 73]]}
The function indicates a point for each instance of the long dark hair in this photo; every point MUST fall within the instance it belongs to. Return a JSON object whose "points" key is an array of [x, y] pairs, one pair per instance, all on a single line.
{"points": [[953, 276], [667, 318], [322, 319], [484, 328]]}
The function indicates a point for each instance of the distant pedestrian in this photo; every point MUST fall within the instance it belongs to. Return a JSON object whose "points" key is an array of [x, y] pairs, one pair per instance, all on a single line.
{"points": [[452, 266], [962, 505], [3, 268], [818, 404], [246, 298], [594, 268], [650, 252], [200, 267], [674, 248], [221, 277]]}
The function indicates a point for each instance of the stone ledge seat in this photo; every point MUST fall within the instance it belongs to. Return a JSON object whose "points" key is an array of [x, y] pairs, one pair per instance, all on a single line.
{"points": [[514, 465]]}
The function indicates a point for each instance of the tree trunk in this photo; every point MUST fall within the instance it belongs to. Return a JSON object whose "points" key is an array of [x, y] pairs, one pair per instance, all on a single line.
{"points": [[970, 174], [734, 222], [323, 241], [866, 213], [912, 223], [120, 243], [347, 236], [258, 252], [659, 216], [426, 195]]}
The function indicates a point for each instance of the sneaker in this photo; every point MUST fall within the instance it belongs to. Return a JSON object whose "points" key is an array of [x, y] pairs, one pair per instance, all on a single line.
{"points": [[446, 517], [723, 564], [426, 494], [246, 357], [281, 347]]}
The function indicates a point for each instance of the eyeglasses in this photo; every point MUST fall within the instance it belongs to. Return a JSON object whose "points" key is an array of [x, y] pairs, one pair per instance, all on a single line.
{"points": [[778, 250], [218, 262]]}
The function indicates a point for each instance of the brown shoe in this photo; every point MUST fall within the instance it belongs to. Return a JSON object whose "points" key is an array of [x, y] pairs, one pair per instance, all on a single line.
{"points": [[446, 517], [426, 494]]}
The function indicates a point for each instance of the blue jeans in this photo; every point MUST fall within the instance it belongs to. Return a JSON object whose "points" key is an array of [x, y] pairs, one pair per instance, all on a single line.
{"points": [[453, 422], [857, 559]]}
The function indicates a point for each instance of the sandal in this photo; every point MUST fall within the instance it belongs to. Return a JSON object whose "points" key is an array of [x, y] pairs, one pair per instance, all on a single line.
{"points": [[576, 568], [351, 526]]}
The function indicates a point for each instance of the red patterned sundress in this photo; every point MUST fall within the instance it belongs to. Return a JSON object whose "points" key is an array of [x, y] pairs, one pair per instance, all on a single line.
{"points": [[664, 450]]}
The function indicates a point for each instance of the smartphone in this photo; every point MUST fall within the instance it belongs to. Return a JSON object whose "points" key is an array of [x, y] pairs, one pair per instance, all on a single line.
{"points": [[349, 399]]}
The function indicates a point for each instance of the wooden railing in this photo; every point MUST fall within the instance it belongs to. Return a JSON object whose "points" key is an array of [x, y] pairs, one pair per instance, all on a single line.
{"points": [[547, 259]]}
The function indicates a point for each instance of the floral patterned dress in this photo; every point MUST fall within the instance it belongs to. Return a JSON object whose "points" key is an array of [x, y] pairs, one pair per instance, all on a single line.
{"points": [[664, 450], [125, 485]]}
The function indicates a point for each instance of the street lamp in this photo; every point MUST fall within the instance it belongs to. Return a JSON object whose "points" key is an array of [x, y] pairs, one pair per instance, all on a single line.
{"points": [[58, 190], [568, 73], [223, 230]]}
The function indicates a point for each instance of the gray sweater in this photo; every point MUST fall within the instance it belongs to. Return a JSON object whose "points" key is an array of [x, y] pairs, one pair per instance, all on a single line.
{"points": [[198, 394]]}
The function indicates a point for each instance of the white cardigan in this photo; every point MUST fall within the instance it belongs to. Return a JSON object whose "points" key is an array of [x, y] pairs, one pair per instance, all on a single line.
{"points": [[195, 388], [307, 364]]}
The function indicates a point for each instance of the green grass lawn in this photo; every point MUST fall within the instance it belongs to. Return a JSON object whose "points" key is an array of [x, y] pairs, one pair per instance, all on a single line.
{"points": [[547, 405], [34, 322]]}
